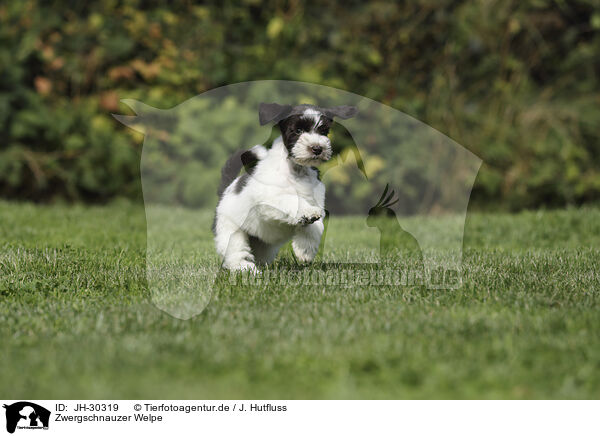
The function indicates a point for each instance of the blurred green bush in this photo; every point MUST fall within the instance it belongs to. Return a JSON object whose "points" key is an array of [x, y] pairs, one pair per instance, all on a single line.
{"points": [[516, 82]]}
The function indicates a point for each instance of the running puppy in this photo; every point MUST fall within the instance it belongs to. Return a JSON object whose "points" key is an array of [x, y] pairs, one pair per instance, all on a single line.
{"points": [[279, 196]]}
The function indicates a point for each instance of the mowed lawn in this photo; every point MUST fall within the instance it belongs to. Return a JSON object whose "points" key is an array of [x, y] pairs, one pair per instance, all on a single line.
{"points": [[77, 319]]}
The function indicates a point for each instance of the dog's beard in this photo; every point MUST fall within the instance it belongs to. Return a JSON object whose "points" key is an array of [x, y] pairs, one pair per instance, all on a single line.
{"points": [[302, 152]]}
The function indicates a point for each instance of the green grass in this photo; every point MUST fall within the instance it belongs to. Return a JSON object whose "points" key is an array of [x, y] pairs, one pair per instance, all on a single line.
{"points": [[77, 320]]}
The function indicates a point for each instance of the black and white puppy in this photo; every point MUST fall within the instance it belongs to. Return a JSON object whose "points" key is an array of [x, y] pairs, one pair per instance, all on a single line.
{"points": [[279, 196]]}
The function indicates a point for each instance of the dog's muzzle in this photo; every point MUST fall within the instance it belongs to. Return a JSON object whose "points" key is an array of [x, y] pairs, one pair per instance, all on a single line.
{"points": [[311, 149]]}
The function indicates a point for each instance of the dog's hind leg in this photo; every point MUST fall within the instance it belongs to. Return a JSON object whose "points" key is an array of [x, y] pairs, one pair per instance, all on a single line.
{"points": [[233, 245], [238, 255]]}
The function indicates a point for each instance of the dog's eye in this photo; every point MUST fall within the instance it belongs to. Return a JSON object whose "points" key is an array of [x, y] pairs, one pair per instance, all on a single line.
{"points": [[299, 131]]}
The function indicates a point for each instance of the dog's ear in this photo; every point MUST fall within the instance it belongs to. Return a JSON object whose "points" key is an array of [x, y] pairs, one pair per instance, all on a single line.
{"points": [[268, 112], [343, 112]]}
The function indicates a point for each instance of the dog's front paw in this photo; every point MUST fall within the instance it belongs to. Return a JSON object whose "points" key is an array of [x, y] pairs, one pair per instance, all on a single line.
{"points": [[310, 216], [241, 266], [248, 266]]}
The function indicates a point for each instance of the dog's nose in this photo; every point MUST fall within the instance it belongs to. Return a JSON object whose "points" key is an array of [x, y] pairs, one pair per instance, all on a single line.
{"points": [[317, 149]]}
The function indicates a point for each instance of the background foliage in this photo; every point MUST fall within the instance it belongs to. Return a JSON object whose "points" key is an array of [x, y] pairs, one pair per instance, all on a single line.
{"points": [[516, 82]]}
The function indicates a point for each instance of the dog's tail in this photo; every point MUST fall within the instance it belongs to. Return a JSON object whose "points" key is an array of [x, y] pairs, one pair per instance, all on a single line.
{"points": [[230, 171], [241, 158]]}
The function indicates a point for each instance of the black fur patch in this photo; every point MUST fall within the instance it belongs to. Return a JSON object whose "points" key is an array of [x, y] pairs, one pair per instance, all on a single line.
{"points": [[292, 127], [249, 160]]}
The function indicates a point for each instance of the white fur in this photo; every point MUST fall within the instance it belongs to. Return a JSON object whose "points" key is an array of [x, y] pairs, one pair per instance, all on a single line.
{"points": [[279, 198], [312, 113], [302, 152]]}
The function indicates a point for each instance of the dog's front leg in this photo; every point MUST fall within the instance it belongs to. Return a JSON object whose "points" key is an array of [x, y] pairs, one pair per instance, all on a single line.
{"points": [[306, 241], [290, 210]]}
